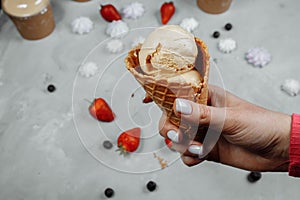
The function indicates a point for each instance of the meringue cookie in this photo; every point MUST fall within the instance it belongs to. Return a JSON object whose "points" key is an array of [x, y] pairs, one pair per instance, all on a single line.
{"points": [[291, 87], [258, 57], [88, 69], [133, 10], [138, 40], [227, 45], [115, 46], [189, 24], [82, 25], [117, 29]]}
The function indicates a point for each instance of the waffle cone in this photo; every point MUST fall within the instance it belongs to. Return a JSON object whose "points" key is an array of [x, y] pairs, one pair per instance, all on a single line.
{"points": [[164, 92]]}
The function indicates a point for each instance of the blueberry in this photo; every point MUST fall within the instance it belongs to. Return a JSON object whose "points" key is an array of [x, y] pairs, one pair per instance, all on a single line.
{"points": [[51, 88], [216, 34], [254, 176], [109, 192], [228, 26], [151, 186], [107, 144]]}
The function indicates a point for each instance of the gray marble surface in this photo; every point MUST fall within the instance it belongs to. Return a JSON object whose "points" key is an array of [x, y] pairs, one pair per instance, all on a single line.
{"points": [[42, 152]]}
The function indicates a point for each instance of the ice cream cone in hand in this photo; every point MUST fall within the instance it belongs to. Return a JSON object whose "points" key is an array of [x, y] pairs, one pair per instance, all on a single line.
{"points": [[171, 64]]}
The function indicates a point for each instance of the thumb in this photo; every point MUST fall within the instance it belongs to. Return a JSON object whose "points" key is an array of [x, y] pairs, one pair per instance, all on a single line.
{"points": [[199, 113]]}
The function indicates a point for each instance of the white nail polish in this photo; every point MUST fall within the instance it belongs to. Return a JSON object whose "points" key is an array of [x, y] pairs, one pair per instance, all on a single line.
{"points": [[196, 149], [173, 135], [183, 106]]}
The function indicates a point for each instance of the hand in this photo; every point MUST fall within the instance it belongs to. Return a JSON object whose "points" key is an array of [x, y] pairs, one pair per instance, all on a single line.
{"points": [[252, 138]]}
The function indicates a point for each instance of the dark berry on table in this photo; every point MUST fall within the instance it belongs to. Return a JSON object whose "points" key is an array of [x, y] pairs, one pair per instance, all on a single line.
{"points": [[51, 88], [107, 144], [216, 34], [228, 26], [151, 186], [254, 176], [109, 192]]}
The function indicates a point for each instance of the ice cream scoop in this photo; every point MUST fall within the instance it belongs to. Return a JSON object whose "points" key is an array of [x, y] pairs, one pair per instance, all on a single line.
{"points": [[193, 77], [167, 51]]}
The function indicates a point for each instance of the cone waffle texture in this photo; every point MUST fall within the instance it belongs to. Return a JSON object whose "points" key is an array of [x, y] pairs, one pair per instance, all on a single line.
{"points": [[164, 92]]}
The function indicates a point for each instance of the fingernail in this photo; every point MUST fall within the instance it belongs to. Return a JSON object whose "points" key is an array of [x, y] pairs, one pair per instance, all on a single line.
{"points": [[173, 135], [196, 149], [183, 106]]}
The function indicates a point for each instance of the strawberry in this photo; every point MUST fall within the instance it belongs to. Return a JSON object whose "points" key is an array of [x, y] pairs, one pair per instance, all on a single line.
{"points": [[110, 13], [167, 10], [101, 111], [169, 143], [147, 99], [129, 141]]}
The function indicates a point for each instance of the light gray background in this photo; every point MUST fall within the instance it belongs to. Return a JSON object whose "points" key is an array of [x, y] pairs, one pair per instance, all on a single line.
{"points": [[41, 156]]}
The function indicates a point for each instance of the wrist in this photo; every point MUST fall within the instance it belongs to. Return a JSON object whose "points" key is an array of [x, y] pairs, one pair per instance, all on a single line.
{"points": [[281, 152], [285, 136]]}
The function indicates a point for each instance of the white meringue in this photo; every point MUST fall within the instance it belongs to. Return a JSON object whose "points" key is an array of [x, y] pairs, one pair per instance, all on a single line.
{"points": [[189, 24], [117, 29], [227, 45], [291, 87], [138, 40], [82, 25], [115, 46], [88, 69], [133, 10], [258, 57]]}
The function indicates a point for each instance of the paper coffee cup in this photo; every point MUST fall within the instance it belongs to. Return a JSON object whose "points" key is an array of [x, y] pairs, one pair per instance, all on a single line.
{"points": [[33, 18], [214, 6]]}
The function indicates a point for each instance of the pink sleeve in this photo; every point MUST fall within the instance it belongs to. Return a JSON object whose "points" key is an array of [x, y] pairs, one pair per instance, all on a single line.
{"points": [[294, 150]]}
